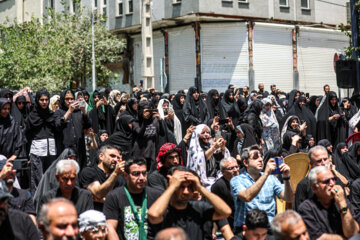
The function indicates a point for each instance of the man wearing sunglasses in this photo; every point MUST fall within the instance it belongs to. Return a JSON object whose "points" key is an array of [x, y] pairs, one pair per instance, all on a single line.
{"points": [[126, 207], [256, 189], [328, 214]]}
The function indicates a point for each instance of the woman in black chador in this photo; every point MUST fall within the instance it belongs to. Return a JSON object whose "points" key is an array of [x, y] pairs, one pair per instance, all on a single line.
{"points": [[194, 110]]}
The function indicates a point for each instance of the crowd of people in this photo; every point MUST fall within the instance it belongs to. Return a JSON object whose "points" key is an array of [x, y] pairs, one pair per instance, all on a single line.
{"points": [[190, 165]]}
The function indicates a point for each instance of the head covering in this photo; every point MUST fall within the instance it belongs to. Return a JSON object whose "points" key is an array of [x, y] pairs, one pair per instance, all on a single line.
{"points": [[177, 123], [214, 105], [39, 115], [53, 100], [4, 101], [4, 191], [164, 151], [91, 219], [112, 97], [62, 98]]}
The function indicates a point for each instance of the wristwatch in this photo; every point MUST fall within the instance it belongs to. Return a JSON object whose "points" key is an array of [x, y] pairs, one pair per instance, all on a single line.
{"points": [[344, 210]]}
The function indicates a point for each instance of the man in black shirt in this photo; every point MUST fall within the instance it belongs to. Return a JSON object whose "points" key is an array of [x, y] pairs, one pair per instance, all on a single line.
{"points": [[105, 176], [174, 207], [125, 208], [14, 224], [168, 157], [355, 197], [229, 168], [318, 157], [289, 225], [66, 174], [327, 215]]}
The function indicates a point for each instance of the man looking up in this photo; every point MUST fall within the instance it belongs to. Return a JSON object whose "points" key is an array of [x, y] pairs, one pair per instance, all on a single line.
{"points": [[256, 190]]}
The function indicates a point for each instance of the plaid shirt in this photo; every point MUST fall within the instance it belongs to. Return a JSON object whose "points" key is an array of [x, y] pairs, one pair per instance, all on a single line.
{"points": [[265, 200]]}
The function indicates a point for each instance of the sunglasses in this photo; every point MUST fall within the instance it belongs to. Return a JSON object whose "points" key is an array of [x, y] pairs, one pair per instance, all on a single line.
{"points": [[256, 155], [137, 173], [327, 181]]}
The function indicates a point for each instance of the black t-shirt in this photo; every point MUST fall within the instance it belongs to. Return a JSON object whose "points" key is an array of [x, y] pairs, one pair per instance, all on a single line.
{"points": [[18, 226], [22, 201], [92, 174], [355, 196], [320, 220], [304, 191], [195, 219], [117, 207], [222, 188], [81, 198]]}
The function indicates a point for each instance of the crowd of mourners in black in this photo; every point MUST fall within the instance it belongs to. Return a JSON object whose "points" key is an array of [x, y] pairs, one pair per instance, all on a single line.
{"points": [[197, 162]]}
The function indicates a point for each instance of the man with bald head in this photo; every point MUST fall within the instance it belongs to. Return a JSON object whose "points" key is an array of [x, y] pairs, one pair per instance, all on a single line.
{"points": [[58, 219]]}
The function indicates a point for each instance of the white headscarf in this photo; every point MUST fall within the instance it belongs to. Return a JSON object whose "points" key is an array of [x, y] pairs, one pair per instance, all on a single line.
{"points": [[177, 123], [196, 159]]}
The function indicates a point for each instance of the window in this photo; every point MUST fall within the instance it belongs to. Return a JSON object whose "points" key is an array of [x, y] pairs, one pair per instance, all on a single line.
{"points": [[283, 3], [119, 11], [95, 4], [130, 6], [305, 4], [51, 3], [243, 1], [176, 1], [103, 7]]}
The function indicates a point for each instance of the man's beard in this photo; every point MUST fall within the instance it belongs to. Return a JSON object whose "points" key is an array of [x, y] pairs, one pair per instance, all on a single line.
{"points": [[52, 237]]}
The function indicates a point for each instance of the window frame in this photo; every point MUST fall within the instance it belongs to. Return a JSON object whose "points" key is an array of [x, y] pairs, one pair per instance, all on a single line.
{"points": [[128, 12], [308, 5], [284, 6], [118, 2]]}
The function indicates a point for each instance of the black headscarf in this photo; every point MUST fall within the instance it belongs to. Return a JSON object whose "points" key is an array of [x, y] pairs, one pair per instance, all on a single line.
{"points": [[335, 130], [304, 114], [4, 92], [291, 98], [4, 101], [339, 161], [178, 109], [312, 104], [129, 110], [252, 117], [352, 161], [38, 115], [62, 104], [214, 105], [231, 108], [195, 111]]}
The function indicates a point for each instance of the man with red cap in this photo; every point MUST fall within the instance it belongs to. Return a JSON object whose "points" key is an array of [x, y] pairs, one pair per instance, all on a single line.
{"points": [[168, 157]]}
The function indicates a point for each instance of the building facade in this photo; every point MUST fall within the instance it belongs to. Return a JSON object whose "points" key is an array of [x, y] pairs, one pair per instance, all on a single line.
{"points": [[214, 43]]}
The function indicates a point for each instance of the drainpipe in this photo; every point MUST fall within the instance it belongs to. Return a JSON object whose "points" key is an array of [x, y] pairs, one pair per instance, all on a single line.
{"points": [[251, 72], [198, 82], [294, 51]]}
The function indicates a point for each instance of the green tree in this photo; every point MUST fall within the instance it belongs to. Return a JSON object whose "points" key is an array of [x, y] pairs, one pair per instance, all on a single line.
{"points": [[56, 51]]}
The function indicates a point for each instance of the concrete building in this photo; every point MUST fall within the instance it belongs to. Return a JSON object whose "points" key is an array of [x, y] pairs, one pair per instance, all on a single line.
{"points": [[214, 43]]}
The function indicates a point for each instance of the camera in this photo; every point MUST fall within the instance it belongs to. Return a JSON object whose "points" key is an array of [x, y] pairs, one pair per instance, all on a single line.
{"points": [[278, 162]]}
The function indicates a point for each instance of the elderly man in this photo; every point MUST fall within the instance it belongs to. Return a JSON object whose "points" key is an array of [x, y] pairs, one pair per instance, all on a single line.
{"points": [[318, 157], [58, 220], [93, 225], [327, 215], [14, 224], [105, 176], [168, 157], [256, 190], [289, 225], [175, 205], [229, 168], [126, 207], [66, 175]]}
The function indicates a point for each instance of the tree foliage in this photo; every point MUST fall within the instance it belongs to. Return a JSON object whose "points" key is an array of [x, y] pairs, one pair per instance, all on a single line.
{"points": [[56, 51]]}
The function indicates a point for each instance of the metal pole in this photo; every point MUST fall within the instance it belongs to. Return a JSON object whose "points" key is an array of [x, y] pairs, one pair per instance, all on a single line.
{"points": [[93, 48], [354, 35]]}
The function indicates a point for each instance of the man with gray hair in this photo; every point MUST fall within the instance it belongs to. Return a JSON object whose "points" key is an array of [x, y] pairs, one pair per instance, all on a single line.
{"points": [[289, 225], [318, 156], [173, 233], [93, 225], [327, 214], [229, 169], [58, 219], [66, 175]]}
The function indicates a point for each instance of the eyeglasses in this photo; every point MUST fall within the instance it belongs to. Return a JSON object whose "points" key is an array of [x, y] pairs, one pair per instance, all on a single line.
{"points": [[137, 173], [327, 181], [232, 168]]}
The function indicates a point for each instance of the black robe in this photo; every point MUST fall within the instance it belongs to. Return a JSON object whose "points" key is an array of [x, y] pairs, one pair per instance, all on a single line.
{"points": [[195, 112], [102, 117], [73, 130], [252, 117], [339, 161], [352, 161], [11, 138], [334, 131], [178, 109], [214, 105], [230, 107]]}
